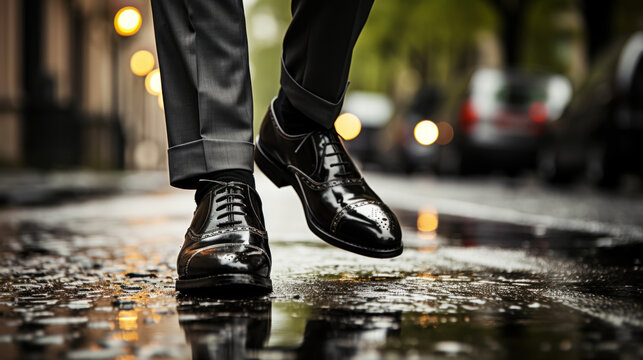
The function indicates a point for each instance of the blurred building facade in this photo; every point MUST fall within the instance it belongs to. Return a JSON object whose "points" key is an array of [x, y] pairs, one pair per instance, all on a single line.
{"points": [[68, 98]]}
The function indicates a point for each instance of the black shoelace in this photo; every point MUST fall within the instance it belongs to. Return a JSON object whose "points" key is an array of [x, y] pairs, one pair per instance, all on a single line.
{"points": [[336, 146], [230, 198]]}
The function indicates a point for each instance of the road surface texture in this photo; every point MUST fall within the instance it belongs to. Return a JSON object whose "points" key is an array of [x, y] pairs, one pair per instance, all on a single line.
{"points": [[490, 270]]}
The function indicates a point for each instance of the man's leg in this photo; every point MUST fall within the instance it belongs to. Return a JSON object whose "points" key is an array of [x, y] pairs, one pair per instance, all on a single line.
{"points": [[203, 59], [297, 146], [317, 53], [203, 56]]}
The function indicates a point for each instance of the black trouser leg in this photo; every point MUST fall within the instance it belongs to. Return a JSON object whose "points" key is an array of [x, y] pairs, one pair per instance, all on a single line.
{"points": [[203, 56], [317, 53]]}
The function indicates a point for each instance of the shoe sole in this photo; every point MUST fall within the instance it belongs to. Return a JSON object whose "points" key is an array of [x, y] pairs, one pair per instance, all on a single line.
{"points": [[226, 284], [281, 177]]}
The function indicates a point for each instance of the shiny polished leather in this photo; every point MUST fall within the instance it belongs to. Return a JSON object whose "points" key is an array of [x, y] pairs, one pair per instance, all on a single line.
{"points": [[227, 243], [339, 206]]}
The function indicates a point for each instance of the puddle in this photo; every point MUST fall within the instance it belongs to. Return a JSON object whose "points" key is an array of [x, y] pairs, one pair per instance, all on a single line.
{"points": [[96, 281]]}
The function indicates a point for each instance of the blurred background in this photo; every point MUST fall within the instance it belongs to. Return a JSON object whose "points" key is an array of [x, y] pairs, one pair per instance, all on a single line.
{"points": [[546, 87], [473, 108]]}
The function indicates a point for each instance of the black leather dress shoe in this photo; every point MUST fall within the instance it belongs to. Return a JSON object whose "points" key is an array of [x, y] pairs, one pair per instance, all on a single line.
{"points": [[226, 246], [339, 206]]}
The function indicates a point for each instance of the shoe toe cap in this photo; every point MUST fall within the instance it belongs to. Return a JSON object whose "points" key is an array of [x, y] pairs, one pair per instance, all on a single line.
{"points": [[226, 259], [372, 226]]}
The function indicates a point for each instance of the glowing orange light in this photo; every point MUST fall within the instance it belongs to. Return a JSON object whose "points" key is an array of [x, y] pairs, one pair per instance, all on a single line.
{"points": [[141, 62], [126, 357], [127, 319], [129, 336], [426, 321], [348, 126], [153, 82], [445, 133], [426, 132], [127, 21], [427, 220]]}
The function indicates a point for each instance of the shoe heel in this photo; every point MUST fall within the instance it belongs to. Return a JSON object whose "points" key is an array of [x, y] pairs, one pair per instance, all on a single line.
{"points": [[269, 168]]}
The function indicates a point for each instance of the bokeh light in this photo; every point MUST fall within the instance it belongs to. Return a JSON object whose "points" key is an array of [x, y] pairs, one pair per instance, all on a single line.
{"points": [[427, 220], [153, 82], [127, 320], [127, 21], [348, 126], [142, 62], [426, 132], [445, 133], [160, 101], [538, 112]]}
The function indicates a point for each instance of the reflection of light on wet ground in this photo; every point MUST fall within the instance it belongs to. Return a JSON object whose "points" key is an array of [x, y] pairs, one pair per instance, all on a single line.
{"points": [[101, 285], [428, 320], [127, 320], [427, 224], [127, 336]]}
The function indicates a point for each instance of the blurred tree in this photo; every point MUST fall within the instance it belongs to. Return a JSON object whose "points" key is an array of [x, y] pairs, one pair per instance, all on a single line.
{"points": [[554, 38], [609, 21], [597, 16], [409, 44], [413, 47], [267, 23], [418, 41], [512, 13], [405, 44], [626, 18]]}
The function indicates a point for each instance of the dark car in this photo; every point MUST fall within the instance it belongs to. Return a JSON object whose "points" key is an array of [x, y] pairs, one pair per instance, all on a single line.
{"points": [[501, 120], [413, 138], [364, 115], [601, 133]]}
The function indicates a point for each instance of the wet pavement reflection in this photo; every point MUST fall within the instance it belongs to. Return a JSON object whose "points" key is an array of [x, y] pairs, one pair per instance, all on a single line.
{"points": [[95, 280]]}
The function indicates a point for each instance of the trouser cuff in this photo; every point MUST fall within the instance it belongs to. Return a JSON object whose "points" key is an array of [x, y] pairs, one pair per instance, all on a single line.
{"points": [[190, 161], [320, 110]]}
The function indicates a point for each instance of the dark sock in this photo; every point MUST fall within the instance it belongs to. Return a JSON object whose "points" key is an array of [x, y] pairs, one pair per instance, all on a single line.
{"points": [[239, 175], [291, 120]]}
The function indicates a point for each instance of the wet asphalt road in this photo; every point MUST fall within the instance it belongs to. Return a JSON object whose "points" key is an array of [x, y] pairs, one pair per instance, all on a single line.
{"points": [[489, 271]]}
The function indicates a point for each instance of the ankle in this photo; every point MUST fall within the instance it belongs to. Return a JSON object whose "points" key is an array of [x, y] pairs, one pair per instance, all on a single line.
{"points": [[238, 175], [291, 120]]}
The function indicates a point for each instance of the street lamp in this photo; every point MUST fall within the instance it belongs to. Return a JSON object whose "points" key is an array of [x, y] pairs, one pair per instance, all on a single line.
{"points": [[153, 82], [348, 126], [141, 62], [127, 21], [426, 132]]}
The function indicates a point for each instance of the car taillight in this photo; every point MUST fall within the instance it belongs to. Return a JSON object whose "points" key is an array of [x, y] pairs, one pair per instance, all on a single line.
{"points": [[468, 116], [538, 112]]}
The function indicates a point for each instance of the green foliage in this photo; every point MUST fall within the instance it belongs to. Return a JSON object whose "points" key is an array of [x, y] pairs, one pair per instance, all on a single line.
{"points": [[427, 37], [426, 40], [265, 58], [627, 17], [409, 43], [552, 29]]}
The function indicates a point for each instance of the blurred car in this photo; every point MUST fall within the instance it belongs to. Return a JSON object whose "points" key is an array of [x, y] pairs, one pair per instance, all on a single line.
{"points": [[413, 144], [501, 120], [601, 133], [364, 115]]}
